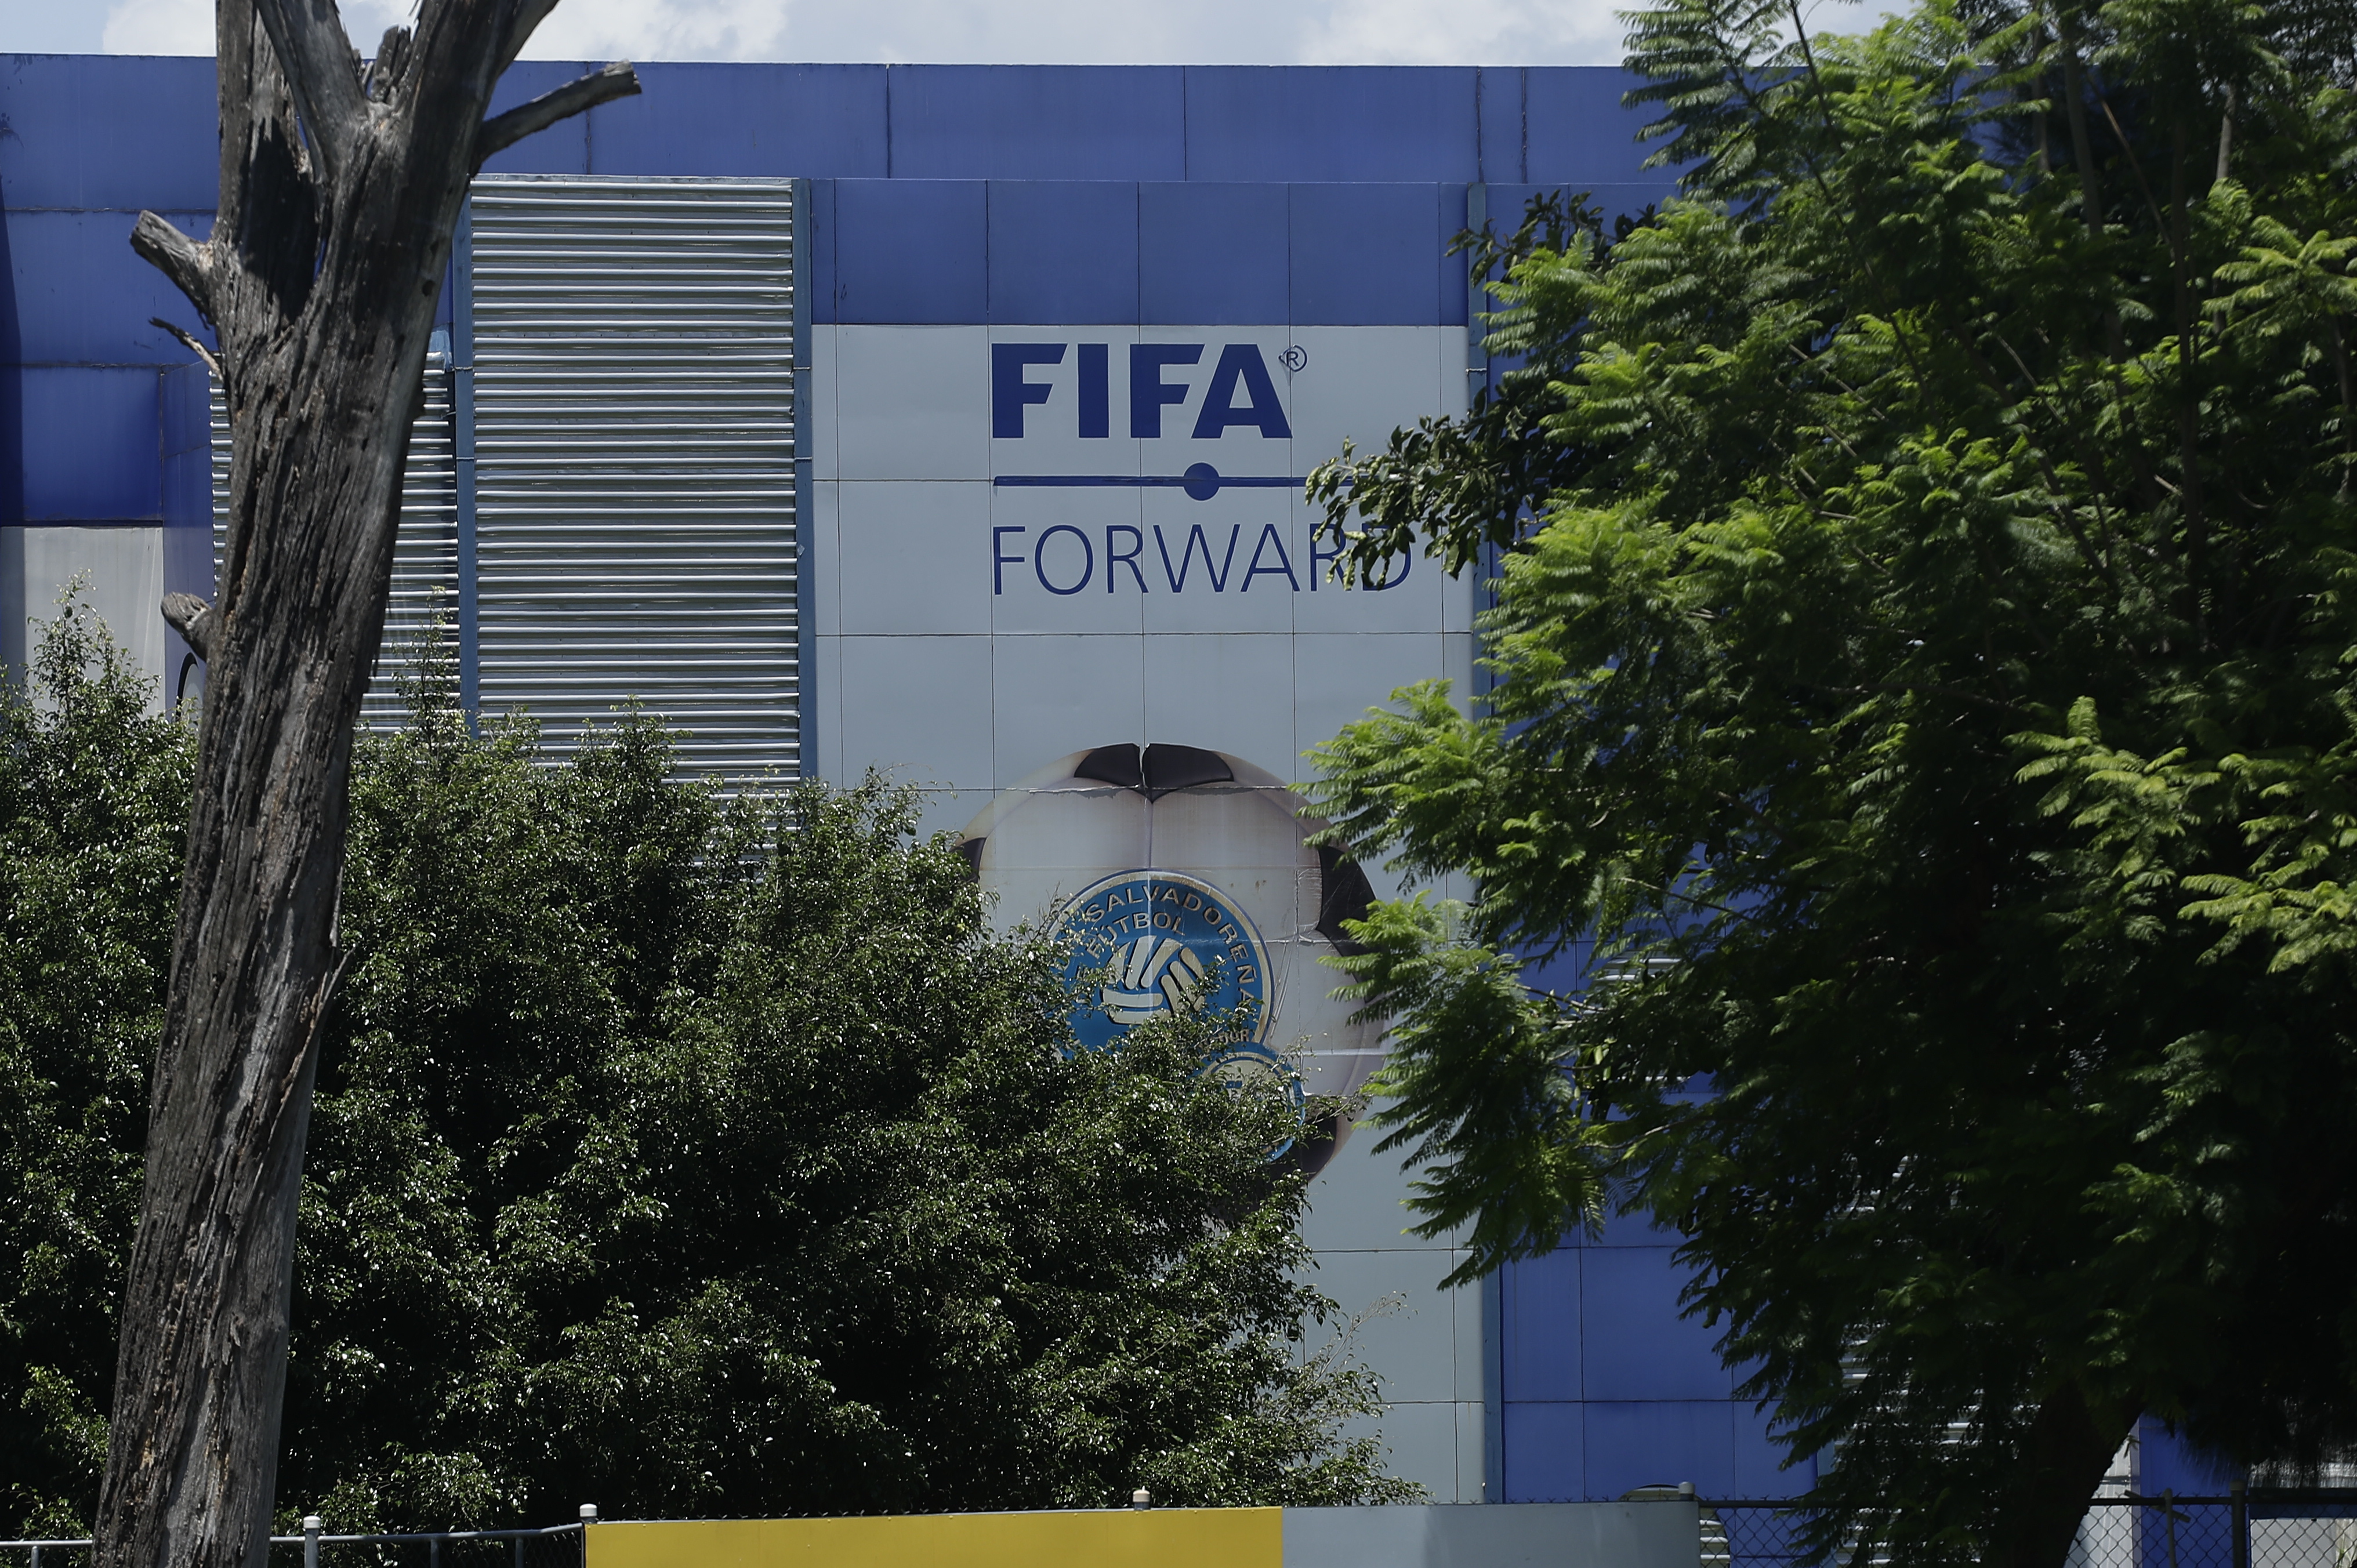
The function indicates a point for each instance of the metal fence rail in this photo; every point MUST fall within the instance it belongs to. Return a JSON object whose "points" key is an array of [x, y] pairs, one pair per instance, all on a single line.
{"points": [[553, 1546], [2257, 1529]]}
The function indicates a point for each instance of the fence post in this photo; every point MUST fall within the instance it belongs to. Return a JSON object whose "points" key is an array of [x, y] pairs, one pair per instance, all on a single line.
{"points": [[310, 1540], [2242, 1500], [588, 1517]]}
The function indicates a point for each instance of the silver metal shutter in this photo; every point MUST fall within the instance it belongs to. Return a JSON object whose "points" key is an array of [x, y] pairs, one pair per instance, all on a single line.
{"points": [[424, 546], [634, 447]]}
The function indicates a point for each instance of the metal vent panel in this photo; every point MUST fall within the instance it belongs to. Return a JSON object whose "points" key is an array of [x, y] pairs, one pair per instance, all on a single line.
{"points": [[424, 547], [634, 444]]}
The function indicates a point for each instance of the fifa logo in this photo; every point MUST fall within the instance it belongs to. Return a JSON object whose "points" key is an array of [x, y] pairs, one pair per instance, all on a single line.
{"points": [[1238, 392]]}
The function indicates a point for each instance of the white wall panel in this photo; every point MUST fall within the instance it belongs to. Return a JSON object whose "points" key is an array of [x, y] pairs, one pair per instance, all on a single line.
{"points": [[1356, 1204], [1238, 449], [1456, 651], [1214, 690], [820, 537], [906, 557], [948, 811], [818, 432], [1338, 676], [912, 403], [919, 705], [1417, 598], [1361, 383], [1060, 695], [825, 687], [1212, 548], [117, 573], [1526, 1535], [1411, 1333], [912, 406], [1420, 1440]]}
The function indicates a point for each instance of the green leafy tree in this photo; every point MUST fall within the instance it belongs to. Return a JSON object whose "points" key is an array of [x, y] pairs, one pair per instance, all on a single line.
{"points": [[685, 1154], [1922, 724], [93, 825], [703, 1157]]}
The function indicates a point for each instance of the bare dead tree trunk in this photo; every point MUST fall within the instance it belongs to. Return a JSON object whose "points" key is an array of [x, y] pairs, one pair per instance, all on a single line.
{"points": [[340, 197]]}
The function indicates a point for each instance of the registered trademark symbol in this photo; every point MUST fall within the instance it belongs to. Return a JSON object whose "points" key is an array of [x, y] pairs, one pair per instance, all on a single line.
{"points": [[1295, 358]]}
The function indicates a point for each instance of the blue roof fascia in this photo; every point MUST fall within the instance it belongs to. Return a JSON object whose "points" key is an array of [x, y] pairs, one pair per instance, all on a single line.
{"points": [[124, 132]]}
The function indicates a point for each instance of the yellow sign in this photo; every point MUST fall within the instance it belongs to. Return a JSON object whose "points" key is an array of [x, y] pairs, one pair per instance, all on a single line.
{"points": [[1105, 1538]]}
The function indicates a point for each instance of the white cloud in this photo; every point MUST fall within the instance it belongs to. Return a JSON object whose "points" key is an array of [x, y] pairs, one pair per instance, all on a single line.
{"points": [[186, 27], [47, 26], [159, 27], [1048, 32], [1084, 32], [1476, 32]]}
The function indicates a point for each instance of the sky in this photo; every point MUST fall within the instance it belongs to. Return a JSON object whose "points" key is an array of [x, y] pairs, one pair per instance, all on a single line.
{"points": [[1084, 32], [1076, 32]]}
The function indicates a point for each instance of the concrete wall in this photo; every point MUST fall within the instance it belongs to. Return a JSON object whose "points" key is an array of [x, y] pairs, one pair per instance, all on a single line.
{"points": [[1658, 1534]]}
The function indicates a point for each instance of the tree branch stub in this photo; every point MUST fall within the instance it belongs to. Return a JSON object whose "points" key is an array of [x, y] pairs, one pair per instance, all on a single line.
{"points": [[384, 72], [615, 80], [191, 342], [193, 619], [188, 263]]}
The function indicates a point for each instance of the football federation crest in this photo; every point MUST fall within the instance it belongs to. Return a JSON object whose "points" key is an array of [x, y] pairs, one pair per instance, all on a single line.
{"points": [[1162, 941]]}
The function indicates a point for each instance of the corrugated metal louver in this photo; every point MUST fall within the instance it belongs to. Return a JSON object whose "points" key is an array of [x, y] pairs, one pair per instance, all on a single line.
{"points": [[424, 547], [634, 459]]}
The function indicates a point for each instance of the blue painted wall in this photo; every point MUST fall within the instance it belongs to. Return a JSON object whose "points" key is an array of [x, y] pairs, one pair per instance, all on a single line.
{"points": [[1607, 1386], [1315, 196], [1014, 195], [1606, 1383]]}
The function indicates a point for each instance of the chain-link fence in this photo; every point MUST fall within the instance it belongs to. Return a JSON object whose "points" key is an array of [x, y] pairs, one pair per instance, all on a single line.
{"points": [[559, 1546], [2260, 1529]]}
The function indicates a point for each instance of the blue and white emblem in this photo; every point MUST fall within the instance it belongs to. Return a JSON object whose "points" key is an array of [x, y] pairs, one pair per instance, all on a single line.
{"points": [[1162, 942]]}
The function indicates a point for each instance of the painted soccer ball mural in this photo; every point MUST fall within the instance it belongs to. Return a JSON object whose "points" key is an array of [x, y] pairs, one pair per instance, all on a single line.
{"points": [[1182, 880]]}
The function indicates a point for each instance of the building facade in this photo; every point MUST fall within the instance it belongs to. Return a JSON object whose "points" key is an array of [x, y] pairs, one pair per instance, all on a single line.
{"points": [[953, 422]]}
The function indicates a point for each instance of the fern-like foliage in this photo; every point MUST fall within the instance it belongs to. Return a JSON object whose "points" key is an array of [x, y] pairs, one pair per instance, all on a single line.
{"points": [[1912, 813]]}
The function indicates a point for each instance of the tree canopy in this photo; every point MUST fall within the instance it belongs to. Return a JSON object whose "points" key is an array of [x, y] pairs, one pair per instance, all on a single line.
{"points": [[93, 825], [682, 1153], [1912, 811]]}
